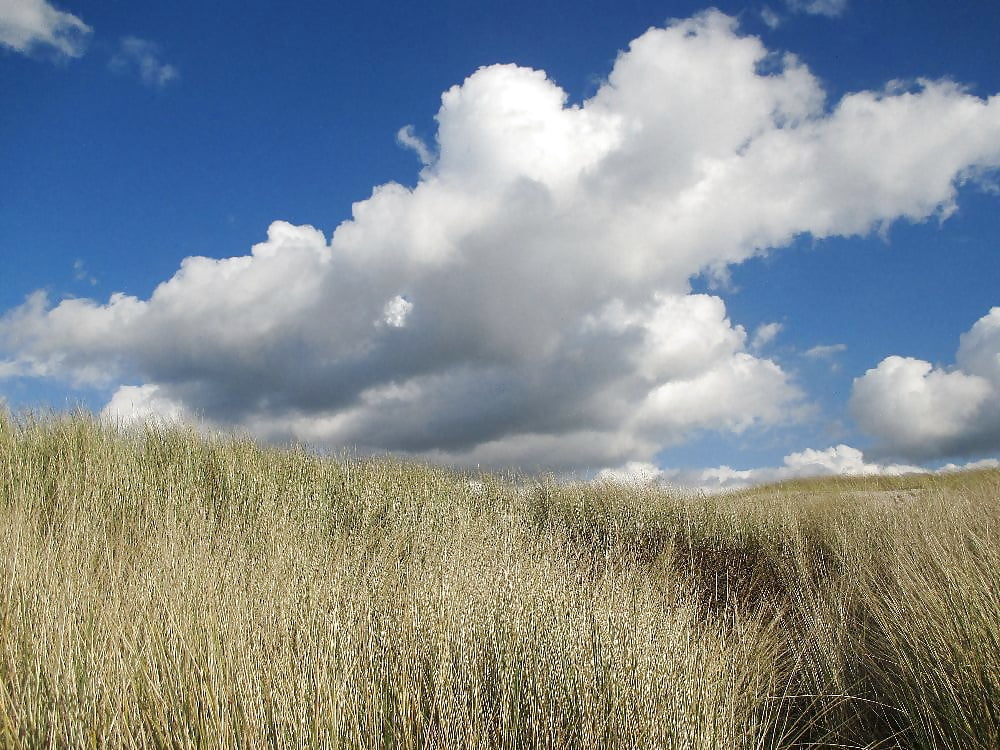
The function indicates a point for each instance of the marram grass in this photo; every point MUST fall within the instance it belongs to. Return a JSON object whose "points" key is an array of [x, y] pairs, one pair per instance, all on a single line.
{"points": [[164, 590]]}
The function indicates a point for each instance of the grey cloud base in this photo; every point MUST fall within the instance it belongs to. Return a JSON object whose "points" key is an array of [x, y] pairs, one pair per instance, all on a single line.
{"points": [[528, 302]]}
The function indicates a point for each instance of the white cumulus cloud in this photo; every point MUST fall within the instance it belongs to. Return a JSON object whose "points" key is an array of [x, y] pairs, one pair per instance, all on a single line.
{"points": [[920, 411], [26, 25], [983, 463], [396, 311], [838, 460], [143, 404], [528, 301]]}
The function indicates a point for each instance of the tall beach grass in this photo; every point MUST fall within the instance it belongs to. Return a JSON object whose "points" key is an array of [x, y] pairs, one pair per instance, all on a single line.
{"points": [[161, 589]]}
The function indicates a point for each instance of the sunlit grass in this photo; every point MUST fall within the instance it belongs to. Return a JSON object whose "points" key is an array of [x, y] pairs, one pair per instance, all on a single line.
{"points": [[160, 589]]}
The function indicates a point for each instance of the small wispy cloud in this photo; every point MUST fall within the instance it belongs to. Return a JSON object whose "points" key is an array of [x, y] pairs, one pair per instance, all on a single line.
{"points": [[825, 351], [141, 58], [765, 334], [828, 8], [407, 138], [770, 17], [10, 369], [26, 25], [80, 273]]}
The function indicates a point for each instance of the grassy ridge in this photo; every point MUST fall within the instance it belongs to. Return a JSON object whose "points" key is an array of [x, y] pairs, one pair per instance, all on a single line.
{"points": [[163, 590]]}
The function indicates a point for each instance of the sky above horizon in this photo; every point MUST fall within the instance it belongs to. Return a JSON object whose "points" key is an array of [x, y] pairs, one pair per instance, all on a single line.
{"points": [[709, 245]]}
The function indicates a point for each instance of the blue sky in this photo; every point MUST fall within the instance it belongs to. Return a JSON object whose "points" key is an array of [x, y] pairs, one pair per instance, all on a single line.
{"points": [[761, 236]]}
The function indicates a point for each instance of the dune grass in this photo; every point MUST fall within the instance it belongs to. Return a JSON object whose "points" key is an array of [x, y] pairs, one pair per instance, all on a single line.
{"points": [[161, 589]]}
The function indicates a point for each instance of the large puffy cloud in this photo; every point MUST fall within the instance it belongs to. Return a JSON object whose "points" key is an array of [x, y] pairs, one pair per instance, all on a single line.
{"points": [[921, 412], [527, 302], [28, 24]]}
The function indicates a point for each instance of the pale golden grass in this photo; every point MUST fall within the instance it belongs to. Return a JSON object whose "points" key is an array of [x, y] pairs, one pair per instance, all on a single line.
{"points": [[164, 590]]}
